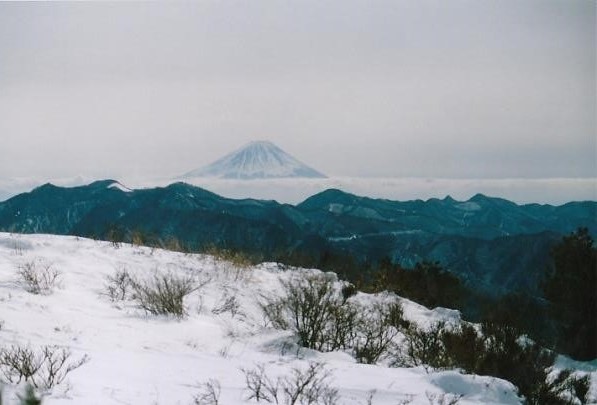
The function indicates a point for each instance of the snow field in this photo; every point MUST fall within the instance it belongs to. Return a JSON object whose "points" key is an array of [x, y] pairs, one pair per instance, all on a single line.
{"points": [[141, 358]]}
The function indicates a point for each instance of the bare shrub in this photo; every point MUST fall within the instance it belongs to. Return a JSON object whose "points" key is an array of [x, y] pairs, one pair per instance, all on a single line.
{"points": [[209, 393], [341, 330], [497, 350], [274, 313], [229, 304], [224, 351], [38, 277], [424, 347], [560, 388], [138, 238], [56, 365], [464, 347], [115, 235], [19, 364], [376, 331], [259, 386], [348, 290], [17, 247], [236, 273], [43, 368], [308, 386], [308, 306], [406, 399], [324, 319], [163, 294], [237, 258], [443, 399], [581, 387], [175, 245], [118, 286]]}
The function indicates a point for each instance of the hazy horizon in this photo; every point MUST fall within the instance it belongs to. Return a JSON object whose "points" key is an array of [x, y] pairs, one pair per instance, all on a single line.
{"points": [[556, 191], [465, 89]]}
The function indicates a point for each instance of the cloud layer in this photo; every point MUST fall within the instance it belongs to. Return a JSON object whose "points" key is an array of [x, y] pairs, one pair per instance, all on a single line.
{"points": [[385, 88]]}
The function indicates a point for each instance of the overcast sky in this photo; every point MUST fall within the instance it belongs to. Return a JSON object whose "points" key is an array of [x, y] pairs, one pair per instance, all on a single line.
{"points": [[466, 89]]}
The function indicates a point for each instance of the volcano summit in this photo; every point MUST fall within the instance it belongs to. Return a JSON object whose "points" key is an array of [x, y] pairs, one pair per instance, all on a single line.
{"points": [[256, 160]]}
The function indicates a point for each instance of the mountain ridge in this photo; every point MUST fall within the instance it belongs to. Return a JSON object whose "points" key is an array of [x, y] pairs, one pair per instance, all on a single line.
{"points": [[485, 242]]}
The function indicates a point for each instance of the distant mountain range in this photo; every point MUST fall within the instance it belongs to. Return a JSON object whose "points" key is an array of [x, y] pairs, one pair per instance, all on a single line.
{"points": [[491, 243], [256, 160]]}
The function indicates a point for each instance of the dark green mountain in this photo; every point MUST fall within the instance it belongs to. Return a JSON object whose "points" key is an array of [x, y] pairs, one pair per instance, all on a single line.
{"points": [[490, 243], [189, 214]]}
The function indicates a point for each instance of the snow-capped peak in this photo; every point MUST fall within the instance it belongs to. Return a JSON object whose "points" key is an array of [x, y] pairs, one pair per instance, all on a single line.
{"points": [[256, 160], [119, 186]]}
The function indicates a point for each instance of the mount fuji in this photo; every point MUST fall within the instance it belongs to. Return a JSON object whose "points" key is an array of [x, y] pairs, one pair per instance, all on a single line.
{"points": [[256, 160]]}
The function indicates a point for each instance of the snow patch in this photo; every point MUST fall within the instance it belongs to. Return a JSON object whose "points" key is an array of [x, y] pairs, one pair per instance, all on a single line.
{"points": [[120, 187], [468, 206]]}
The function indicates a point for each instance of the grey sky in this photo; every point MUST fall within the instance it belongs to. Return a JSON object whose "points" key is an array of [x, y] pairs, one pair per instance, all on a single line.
{"points": [[355, 88]]}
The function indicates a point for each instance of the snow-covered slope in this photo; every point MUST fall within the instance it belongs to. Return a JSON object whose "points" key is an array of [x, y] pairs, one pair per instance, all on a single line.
{"points": [[256, 160], [137, 358]]}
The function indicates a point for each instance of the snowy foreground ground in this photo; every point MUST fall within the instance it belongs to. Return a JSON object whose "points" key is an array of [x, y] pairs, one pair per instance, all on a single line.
{"points": [[138, 358]]}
